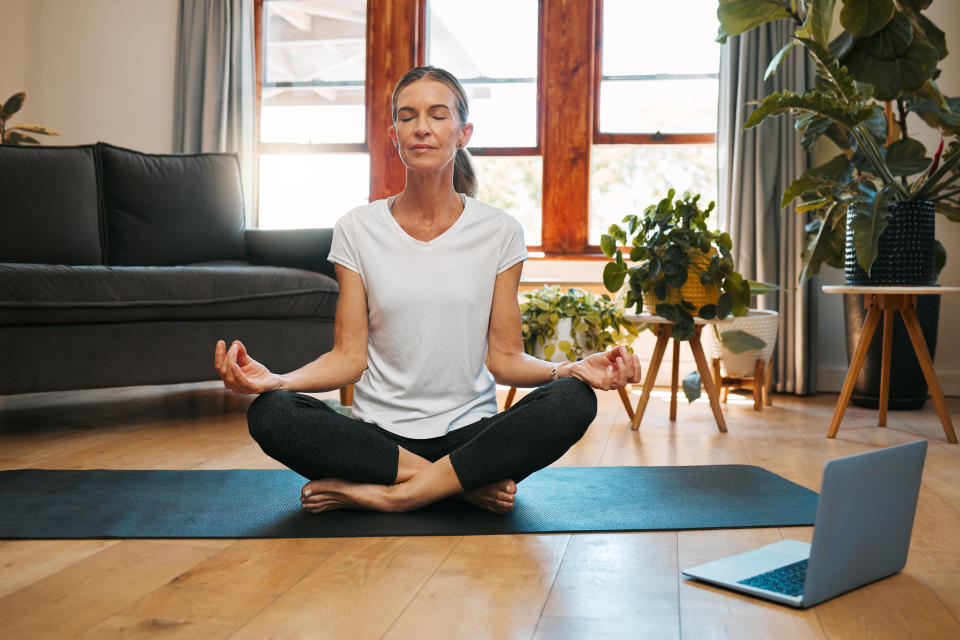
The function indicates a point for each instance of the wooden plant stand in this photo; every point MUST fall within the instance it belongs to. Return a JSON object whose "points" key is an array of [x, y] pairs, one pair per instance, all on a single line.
{"points": [[760, 383], [887, 300]]}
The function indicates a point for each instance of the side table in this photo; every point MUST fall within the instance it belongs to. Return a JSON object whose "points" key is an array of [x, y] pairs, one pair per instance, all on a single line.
{"points": [[662, 328], [888, 300]]}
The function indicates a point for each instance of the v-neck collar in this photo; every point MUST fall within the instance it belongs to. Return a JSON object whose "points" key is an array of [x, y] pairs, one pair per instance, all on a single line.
{"points": [[426, 243]]}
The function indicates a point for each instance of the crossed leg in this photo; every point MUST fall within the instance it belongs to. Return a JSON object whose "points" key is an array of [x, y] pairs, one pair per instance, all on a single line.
{"points": [[360, 466], [419, 482]]}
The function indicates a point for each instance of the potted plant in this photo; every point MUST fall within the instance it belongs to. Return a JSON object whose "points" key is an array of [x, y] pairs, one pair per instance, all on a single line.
{"points": [[882, 67], [15, 135], [872, 206], [683, 268], [567, 324]]}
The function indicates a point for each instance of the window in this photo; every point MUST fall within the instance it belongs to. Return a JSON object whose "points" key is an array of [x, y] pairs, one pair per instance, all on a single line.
{"points": [[501, 85], [656, 107], [313, 160], [585, 110]]}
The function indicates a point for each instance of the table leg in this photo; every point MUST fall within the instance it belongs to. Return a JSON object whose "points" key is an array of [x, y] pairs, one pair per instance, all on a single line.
{"points": [[909, 313], [856, 363], [510, 396], [768, 383], [758, 385], [663, 334], [888, 316], [707, 380], [625, 399], [675, 374]]}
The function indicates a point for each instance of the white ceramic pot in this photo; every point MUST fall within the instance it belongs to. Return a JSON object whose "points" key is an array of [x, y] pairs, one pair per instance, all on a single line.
{"points": [[758, 322], [563, 333]]}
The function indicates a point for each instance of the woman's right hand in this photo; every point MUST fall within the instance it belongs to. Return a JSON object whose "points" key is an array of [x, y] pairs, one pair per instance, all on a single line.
{"points": [[240, 372]]}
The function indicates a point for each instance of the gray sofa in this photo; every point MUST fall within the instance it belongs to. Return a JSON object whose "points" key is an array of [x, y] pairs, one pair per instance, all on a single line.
{"points": [[123, 268]]}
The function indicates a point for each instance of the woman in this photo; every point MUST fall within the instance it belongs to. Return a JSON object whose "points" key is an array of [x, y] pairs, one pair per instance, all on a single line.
{"points": [[427, 320]]}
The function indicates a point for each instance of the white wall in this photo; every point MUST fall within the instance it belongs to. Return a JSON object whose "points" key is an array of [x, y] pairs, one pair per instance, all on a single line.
{"points": [[93, 69], [831, 343]]}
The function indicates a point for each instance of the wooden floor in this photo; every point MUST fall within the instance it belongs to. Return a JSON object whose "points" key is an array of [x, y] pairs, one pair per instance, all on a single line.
{"points": [[525, 586]]}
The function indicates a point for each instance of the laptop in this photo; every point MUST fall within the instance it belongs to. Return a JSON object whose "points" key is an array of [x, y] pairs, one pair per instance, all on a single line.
{"points": [[861, 533]]}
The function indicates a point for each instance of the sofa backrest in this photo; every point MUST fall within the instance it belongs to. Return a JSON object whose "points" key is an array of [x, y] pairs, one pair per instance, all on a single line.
{"points": [[171, 209], [49, 205]]}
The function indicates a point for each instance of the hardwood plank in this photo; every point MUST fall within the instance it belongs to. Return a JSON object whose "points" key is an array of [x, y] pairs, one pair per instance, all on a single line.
{"points": [[70, 601], [24, 562], [496, 586], [219, 595], [355, 594], [615, 584]]}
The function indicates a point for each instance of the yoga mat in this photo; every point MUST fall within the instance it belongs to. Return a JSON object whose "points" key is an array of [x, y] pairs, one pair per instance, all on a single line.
{"points": [[259, 503]]}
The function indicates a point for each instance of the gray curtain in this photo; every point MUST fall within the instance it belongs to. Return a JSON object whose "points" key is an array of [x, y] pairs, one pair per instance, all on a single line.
{"points": [[755, 167], [215, 93]]}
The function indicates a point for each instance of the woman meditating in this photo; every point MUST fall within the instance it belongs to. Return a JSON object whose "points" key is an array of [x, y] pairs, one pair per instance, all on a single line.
{"points": [[427, 322]]}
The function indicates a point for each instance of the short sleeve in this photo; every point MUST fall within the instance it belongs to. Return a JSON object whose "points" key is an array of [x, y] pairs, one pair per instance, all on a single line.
{"points": [[343, 248], [514, 247]]}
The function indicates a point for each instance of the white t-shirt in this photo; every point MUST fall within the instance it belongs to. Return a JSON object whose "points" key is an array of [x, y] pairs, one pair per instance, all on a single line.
{"points": [[428, 313]]}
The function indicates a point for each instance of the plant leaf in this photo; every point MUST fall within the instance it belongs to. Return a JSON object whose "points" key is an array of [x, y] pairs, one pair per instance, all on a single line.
{"points": [[691, 386], [890, 78], [818, 22], [758, 288], [12, 105], [869, 220], [608, 245], [737, 16], [777, 59], [906, 157], [15, 137], [812, 101], [865, 17], [737, 341], [613, 276], [892, 41], [36, 128]]}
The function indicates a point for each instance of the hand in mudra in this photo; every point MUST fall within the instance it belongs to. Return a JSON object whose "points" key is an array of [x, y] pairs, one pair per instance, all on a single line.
{"points": [[240, 372], [612, 369]]}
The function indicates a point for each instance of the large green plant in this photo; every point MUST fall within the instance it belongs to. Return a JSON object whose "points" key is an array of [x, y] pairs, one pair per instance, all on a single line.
{"points": [[596, 322], [15, 135], [882, 67], [664, 241]]}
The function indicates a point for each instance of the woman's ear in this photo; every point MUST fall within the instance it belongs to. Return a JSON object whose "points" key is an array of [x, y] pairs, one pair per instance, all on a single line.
{"points": [[466, 132], [393, 137]]}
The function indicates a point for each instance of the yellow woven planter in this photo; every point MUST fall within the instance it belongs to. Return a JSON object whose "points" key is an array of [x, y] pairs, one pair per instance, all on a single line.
{"points": [[693, 291]]}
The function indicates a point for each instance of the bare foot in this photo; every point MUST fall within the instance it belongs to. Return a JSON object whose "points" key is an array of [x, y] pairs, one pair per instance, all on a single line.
{"points": [[332, 493], [496, 497]]}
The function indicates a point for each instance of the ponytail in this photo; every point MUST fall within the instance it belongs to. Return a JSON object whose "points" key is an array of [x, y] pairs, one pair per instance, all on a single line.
{"points": [[464, 177]]}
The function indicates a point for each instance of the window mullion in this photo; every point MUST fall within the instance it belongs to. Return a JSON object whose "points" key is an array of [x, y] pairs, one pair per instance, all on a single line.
{"points": [[567, 112]]}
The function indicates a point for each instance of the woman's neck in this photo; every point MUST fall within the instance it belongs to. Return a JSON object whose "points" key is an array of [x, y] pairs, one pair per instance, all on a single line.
{"points": [[427, 202]]}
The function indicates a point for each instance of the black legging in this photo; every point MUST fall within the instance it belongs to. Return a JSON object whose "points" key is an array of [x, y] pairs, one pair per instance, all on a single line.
{"points": [[317, 442]]}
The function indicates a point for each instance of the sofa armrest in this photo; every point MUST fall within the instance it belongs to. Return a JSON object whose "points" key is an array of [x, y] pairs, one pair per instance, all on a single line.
{"points": [[298, 248]]}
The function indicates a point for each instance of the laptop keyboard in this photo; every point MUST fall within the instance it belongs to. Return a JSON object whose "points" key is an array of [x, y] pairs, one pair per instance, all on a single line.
{"points": [[787, 580]]}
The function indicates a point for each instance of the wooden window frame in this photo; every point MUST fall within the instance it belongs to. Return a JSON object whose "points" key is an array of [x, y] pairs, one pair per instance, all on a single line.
{"points": [[569, 67]]}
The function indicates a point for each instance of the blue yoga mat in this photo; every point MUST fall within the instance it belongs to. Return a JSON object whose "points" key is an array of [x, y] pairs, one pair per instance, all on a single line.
{"points": [[258, 503]]}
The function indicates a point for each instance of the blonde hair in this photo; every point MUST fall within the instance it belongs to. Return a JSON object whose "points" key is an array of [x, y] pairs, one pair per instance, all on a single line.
{"points": [[464, 177]]}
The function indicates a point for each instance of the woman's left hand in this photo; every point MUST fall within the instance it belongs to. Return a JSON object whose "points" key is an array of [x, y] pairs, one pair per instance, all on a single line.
{"points": [[613, 369]]}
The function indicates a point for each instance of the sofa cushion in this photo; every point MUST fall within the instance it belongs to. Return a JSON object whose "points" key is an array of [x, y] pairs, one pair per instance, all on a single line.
{"points": [[50, 205], [171, 209], [54, 294]]}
